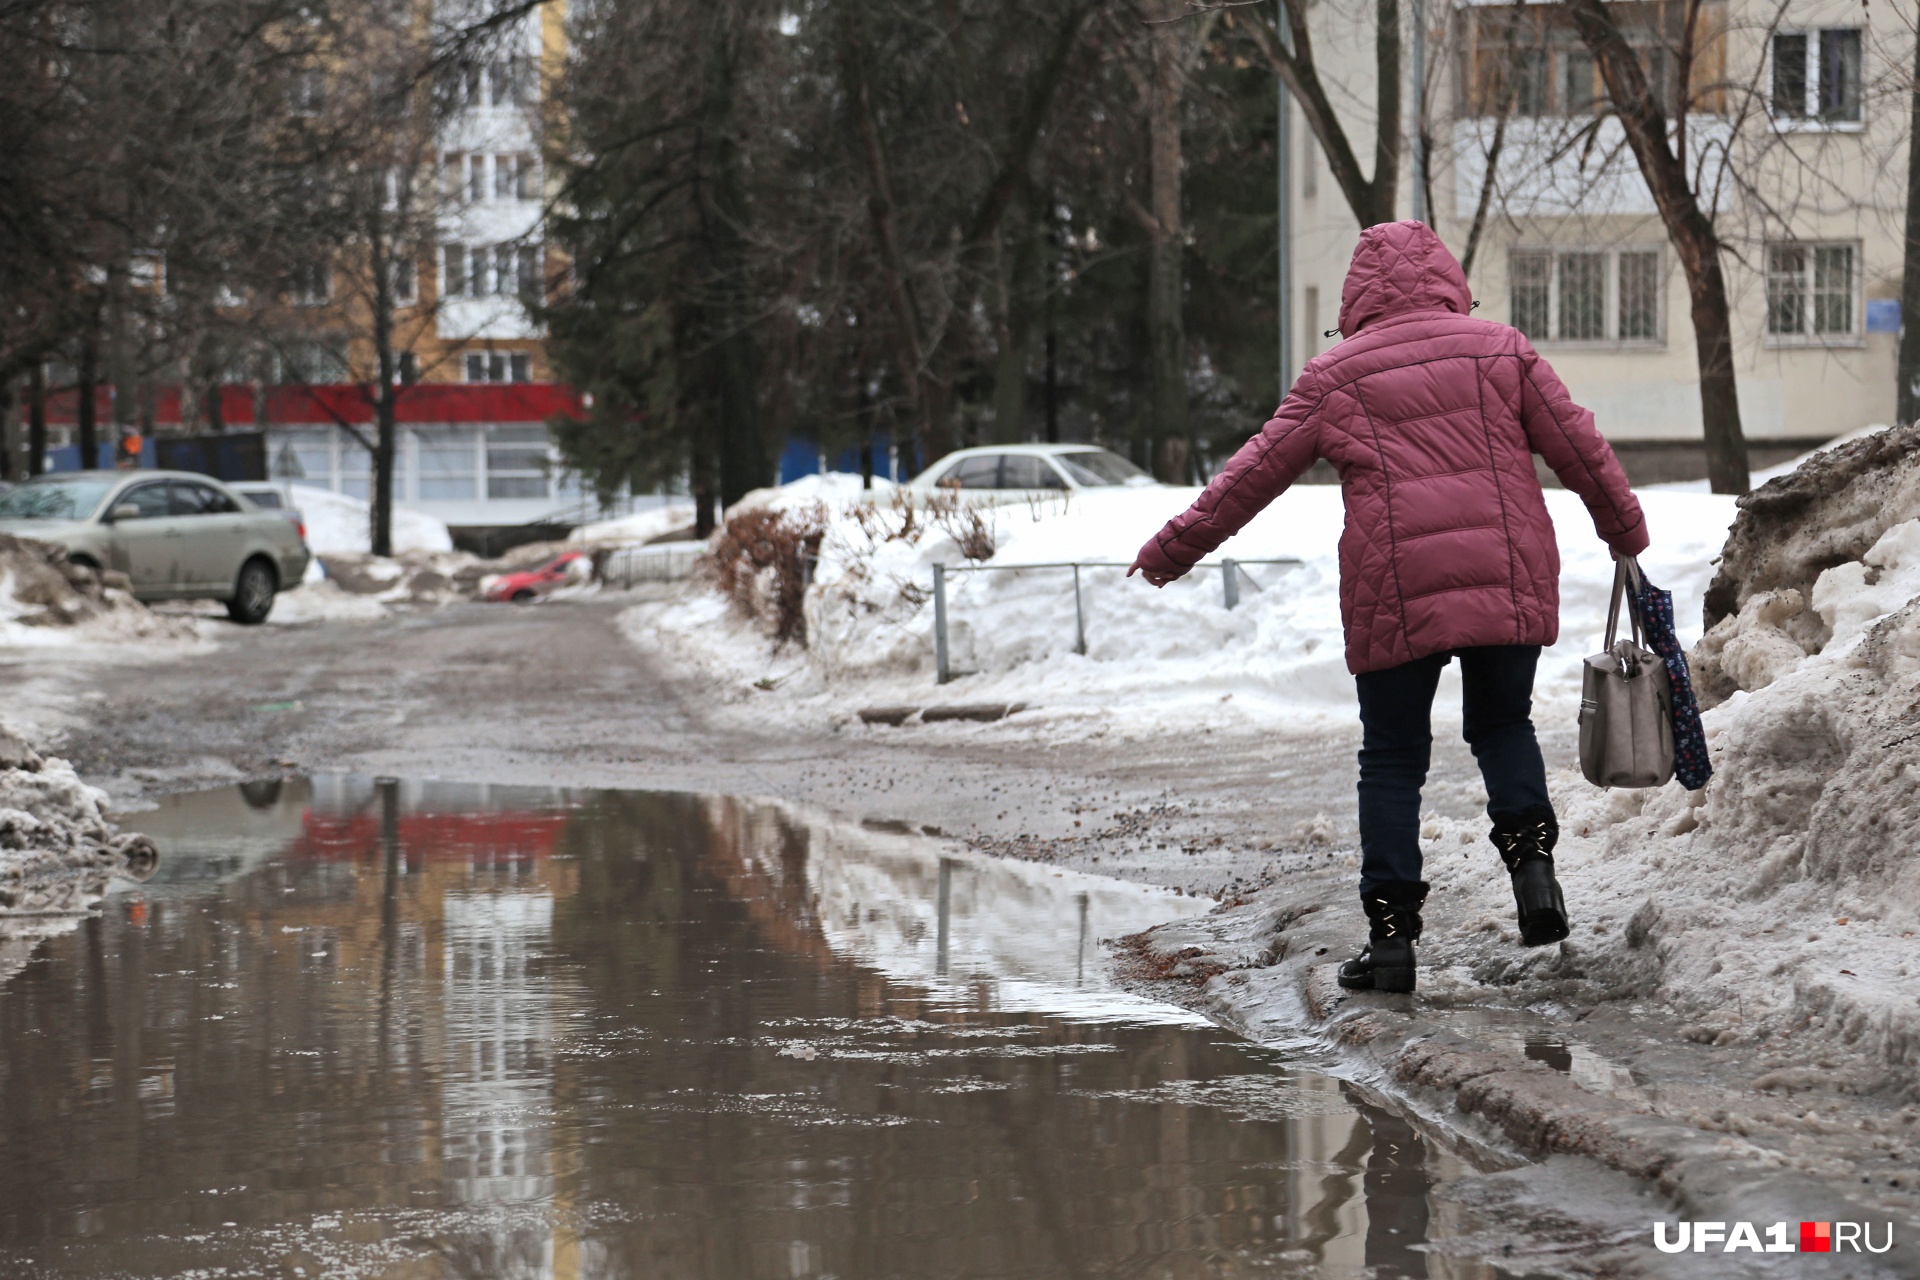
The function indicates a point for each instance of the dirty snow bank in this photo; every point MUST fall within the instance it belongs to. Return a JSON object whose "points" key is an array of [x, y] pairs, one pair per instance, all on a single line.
{"points": [[46, 601], [57, 849], [1155, 659]]}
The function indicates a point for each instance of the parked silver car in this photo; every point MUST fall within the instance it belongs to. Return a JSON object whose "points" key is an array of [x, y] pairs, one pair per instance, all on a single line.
{"points": [[177, 536]]}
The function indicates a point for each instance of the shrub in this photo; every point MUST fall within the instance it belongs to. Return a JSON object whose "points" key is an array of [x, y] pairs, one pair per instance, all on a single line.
{"points": [[969, 525], [762, 559]]}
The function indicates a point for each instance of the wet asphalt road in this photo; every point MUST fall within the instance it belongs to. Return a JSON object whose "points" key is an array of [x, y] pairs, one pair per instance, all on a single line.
{"points": [[554, 695]]}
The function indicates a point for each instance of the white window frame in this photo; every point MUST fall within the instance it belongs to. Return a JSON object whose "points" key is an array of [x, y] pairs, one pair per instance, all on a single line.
{"points": [[1610, 304], [312, 285], [1856, 298], [1809, 121]]}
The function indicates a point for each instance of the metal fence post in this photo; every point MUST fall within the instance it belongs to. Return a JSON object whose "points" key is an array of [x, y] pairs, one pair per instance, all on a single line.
{"points": [[1230, 582], [1079, 617], [940, 623]]}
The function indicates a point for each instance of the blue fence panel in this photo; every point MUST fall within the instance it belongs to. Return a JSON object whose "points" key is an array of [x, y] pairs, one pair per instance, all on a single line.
{"points": [[802, 458]]}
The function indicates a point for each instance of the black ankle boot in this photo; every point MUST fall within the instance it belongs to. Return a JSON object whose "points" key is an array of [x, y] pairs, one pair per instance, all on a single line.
{"points": [[1393, 918], [1525, 841]]}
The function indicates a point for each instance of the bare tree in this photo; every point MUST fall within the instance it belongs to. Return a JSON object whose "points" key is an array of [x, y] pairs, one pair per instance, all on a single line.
{"points": [[1660, 151], [1290, 51], [1173, 39], [1907, 396]]}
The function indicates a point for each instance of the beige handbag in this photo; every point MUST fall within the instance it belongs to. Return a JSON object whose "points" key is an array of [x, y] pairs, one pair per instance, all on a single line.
{"points": [[1626, 703]]}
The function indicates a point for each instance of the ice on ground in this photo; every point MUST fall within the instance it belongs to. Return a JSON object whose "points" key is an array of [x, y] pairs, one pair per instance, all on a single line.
{"points": [[1154, 659], [642, 526], [338, 524], [58, 851]]}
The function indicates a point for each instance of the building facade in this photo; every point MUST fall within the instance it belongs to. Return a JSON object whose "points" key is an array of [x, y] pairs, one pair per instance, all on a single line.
{"points": [[1796, 130]]}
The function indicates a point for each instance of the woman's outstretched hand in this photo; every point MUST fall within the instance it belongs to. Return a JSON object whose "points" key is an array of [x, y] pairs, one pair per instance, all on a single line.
{"points": [[1157, 579]]}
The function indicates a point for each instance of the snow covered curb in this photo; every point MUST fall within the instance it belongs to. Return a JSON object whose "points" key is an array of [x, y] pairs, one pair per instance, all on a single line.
{"points": [[58, 851]]}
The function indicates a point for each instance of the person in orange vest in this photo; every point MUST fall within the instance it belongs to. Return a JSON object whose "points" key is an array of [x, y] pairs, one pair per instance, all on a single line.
{"points": [[131, 446]]}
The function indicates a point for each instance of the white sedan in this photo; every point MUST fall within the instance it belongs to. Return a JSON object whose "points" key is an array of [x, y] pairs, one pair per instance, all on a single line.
{"points": [[1012, 472]]}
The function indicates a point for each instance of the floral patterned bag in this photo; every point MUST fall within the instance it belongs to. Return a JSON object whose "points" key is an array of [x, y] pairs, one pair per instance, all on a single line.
{"points": [[1690, 763]]}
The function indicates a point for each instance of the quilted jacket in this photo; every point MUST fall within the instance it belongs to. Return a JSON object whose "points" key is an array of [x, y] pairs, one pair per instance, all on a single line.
{"points": [[1431, 419]]}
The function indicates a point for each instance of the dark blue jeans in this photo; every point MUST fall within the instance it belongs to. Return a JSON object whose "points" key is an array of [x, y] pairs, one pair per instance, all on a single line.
{"points": [[1396, 706]]}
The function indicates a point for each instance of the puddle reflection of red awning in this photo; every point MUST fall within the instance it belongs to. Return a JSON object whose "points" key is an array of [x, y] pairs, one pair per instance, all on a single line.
{"points": [[503, 836]]}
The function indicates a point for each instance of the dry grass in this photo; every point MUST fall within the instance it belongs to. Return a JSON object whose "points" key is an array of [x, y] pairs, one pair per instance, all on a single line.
{"points": [[763, 559]]}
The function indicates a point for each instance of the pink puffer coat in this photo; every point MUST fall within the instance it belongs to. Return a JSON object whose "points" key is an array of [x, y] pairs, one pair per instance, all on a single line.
{"points": [[1431, 418]]}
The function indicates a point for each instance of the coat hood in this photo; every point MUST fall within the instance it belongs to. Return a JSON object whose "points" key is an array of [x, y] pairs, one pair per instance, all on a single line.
{"points": [[1400, 267]]}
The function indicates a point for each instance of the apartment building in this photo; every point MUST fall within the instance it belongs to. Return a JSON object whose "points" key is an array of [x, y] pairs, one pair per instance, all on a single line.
{"points": [[1796, 125]]}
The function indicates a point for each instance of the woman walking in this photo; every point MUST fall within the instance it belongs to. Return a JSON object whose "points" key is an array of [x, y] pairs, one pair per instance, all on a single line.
{"points": [[1431, 418]]}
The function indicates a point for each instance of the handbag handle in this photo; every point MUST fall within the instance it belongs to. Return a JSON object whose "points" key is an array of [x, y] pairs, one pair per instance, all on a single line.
{"points": [[1624, 569]]}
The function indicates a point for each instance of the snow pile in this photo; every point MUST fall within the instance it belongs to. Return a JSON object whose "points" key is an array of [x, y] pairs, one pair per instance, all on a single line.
{"points": [[650, 525], [838, 489], [323, 601], [1153, 657], [410, 577], [341, 525], [45, 600], [57, 849], [1831, 511]]}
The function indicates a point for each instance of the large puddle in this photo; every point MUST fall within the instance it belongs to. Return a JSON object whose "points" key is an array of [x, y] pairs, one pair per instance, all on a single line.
{"points": [[388, 1029]]}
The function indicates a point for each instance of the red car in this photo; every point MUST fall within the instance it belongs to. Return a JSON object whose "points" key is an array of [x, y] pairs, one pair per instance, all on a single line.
{"points": [[528, 585]]}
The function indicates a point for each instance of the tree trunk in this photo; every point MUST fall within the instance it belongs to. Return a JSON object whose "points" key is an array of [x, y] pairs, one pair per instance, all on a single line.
{"points": [[7, 437], [743, 460], [383, 451], [36, 419], [1907, 395], [1053, 381], [1386, 140], [700, 482], [744, 465], [909, 355], [1689, 229], [1016, 335], [385, 409], [1166, 237], [87, 436]]}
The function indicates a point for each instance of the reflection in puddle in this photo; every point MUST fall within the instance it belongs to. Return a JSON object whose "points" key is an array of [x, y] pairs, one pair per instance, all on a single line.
{"points": [[360, 1027]]}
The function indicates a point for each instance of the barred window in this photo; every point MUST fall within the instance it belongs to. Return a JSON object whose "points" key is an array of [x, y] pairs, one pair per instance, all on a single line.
{"points": [[1811, 291], [1583, 297], [1586, 295], [1532, 275], [1639, 296]]}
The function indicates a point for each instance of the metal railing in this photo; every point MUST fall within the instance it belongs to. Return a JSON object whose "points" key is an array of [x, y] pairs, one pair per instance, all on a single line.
{"points": [[656, 562], [1232, 573]]}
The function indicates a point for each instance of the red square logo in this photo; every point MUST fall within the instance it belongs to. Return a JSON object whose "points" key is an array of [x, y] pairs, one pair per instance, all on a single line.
{"points": [[1816, 1237]]}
